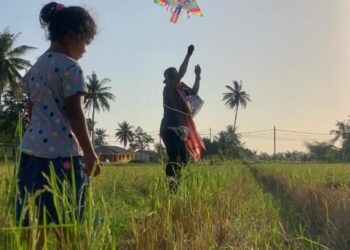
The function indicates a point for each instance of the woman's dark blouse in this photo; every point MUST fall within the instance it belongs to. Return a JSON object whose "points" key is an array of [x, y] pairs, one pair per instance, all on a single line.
{"points": [[172, 99]]}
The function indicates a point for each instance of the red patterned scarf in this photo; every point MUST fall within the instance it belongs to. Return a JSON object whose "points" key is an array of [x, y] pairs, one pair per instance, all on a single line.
{"points": [[194, 143]]}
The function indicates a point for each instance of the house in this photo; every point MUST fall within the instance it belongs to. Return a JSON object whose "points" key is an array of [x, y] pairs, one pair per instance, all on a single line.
{"points": [[114, 154], [145, 155], [7, 149]]}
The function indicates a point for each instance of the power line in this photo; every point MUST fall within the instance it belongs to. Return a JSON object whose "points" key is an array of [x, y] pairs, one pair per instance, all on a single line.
{"points": [[304, 134], [254, 132], [308, 138], [301, 132], [266, 134], [278, 131], [259, 137], [244, 135], [283, 137]]}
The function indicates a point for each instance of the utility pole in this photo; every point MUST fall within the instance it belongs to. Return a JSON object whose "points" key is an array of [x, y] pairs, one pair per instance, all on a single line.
{"points": [[274, 141], [210, 134]]}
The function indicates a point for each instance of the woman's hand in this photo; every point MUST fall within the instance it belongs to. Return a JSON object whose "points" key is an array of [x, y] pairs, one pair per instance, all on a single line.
{"points": [[197, 70], [190, 50], [184, 65]]}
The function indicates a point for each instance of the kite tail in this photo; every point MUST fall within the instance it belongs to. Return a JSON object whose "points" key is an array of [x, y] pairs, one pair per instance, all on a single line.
{"points": [[174, 17]]}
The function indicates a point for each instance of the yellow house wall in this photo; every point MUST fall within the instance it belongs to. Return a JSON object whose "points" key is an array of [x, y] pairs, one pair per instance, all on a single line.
{"points": [[117, 158]]}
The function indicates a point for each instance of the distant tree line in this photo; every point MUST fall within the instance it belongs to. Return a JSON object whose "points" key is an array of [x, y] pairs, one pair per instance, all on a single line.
{"points": [[227, 145]]}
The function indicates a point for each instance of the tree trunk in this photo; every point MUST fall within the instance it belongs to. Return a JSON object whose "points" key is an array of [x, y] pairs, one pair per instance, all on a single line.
{"points": [[93, 125], [141, 152], [234, 125], [0, 104], [1, 92]]}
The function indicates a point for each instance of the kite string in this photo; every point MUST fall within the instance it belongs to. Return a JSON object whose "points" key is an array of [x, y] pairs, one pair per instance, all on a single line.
{"points": [[176, 110]]}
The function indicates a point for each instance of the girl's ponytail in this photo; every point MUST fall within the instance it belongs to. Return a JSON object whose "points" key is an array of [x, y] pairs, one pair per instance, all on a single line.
{"points": [[48, 12]]}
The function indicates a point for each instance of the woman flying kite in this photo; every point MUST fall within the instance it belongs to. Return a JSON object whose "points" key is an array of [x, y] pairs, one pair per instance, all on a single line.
{"points": [[179, 6]]}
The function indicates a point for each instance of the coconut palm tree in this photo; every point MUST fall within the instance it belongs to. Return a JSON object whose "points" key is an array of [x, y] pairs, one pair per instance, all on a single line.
{"points": [[124, 133], [100, 137], [98, 97], [236, 97], [11, 62], [342, 132]]}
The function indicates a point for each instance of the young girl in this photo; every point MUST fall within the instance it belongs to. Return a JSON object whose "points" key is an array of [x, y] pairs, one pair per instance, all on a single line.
{"points": [[57, 132]]}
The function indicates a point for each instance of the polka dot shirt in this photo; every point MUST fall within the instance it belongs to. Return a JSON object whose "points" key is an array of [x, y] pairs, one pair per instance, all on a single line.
{"points": [[51, 79]]}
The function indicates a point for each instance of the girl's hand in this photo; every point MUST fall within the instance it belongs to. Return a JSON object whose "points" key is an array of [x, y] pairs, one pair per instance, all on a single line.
{"points": [[92, 162], [197, 70]]}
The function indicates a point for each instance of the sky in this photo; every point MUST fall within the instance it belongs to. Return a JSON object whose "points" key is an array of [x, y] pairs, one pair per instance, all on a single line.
{"points": [[292, 56]]}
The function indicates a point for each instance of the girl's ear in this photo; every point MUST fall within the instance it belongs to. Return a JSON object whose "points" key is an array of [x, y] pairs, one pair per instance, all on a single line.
{"points": [[69, 37], [65, 40]]}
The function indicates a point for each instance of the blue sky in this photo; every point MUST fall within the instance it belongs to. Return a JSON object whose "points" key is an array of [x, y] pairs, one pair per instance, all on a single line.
{"points": [[293, 58]]}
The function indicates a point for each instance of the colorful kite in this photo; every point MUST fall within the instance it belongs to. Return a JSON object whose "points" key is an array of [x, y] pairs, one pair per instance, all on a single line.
{"points": [[176, 7]]}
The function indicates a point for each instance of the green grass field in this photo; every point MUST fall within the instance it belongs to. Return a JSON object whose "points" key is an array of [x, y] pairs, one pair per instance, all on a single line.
{"points": [[226, 206]]}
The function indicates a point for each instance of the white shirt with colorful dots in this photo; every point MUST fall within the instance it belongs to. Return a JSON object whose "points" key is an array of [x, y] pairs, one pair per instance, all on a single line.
{"points": [[51, 79]]}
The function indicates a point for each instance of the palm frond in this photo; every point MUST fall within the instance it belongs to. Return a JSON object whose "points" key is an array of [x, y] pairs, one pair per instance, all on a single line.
{"points": [[104, 81], [19, 63], [104, 103], [19, 51], [230, 88]]}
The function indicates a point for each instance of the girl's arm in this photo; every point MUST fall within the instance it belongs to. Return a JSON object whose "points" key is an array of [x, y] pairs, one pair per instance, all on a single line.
{"points": [[76, 117], [30, 109]]}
